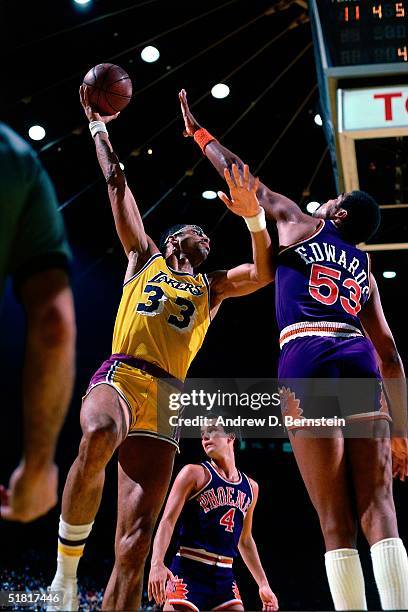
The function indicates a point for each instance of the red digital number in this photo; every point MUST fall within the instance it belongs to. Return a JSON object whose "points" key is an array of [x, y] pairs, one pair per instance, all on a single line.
{"points": [[227, 520], [349, 16], [322, 277]]}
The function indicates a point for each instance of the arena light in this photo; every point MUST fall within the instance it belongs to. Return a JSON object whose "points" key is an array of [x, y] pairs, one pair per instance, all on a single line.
{"points": [[312, 207], [150, 151], [122, 166], [36, 132], [150, 54], [318, 120], [389, 274], [209, 194], [220, 91], [82, 1]]}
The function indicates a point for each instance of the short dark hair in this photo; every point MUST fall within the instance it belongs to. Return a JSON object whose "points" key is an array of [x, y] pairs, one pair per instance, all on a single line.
{"points": [[225, 414], [169, 232], [363, 217]]}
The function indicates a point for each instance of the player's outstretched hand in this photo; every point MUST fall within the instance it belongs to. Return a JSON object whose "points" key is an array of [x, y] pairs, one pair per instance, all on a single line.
{"points": [[90, 113], [31, 494], [399, 449], [243, 200], [191, 125], [268, 598], [158, 577]]}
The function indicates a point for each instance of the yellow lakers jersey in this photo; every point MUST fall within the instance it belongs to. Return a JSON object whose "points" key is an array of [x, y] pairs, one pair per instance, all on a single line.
{"points": [[163, 316]]}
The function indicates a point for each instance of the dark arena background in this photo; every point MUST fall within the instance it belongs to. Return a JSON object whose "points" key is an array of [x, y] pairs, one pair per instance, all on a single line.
{"points": [[263, 51]]}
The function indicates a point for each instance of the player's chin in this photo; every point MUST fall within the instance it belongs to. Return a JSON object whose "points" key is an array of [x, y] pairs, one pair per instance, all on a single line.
{"points": [[201, 255]]}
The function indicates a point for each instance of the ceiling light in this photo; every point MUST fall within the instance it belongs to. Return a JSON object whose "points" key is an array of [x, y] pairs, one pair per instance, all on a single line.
{"points": [[312, 207], [150, 54], [36, 132], [318, 120], [220, 91], [150, 151], [82, 1], [389, 274], [209, 194]]}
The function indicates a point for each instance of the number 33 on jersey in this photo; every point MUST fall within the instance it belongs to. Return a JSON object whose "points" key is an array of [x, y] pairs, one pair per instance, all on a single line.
{"points": [[163, 316]]}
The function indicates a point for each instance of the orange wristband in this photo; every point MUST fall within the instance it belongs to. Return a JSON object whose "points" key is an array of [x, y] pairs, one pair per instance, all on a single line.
{"points": [[202, 138]]}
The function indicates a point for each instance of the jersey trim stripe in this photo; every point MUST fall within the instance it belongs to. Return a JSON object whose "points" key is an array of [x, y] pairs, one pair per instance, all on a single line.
{"points": [[143, 268], [206, 485], [183, 602], [305, 239], [318, 328], [228, 603], [152, 434], [369, 274], [207, 284], [250, 487], [203, 556], [181, 273], [234, 482]]}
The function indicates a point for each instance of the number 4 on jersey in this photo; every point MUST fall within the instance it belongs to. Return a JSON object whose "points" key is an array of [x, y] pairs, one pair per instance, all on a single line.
{"points": [[227, 520]]}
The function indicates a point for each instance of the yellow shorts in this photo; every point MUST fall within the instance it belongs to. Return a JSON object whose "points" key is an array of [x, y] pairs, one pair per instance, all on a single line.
{"points": [[146, 396]]}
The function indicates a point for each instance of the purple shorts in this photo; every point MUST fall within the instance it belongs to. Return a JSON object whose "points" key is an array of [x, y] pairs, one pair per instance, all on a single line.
{"points": [[331, 377]]}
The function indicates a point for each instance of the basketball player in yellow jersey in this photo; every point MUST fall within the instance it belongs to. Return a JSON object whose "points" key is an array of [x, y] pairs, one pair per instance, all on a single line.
{"points": [[162, 320]]}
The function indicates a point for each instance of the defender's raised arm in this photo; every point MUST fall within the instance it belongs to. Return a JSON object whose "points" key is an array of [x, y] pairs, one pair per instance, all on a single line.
{"points": [[277, 206]]}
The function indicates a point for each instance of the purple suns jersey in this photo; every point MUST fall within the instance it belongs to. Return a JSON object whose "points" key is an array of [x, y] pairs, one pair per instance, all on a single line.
{"points": [[213, 518], [321, 278]]}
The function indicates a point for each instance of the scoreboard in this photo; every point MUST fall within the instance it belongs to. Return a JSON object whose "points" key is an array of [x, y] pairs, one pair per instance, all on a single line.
{"points": [[361, 32], [361, 53]]}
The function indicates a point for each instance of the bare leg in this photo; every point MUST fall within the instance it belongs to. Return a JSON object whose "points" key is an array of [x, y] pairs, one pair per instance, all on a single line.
{"points": [[322, 464], [370, 460], [144, 472], [103, 422], [323, 467], [372, 475]]}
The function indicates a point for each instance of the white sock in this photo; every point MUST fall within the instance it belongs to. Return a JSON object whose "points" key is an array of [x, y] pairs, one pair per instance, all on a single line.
{"points": [[71, 544], [346, 580], [390, 565]]}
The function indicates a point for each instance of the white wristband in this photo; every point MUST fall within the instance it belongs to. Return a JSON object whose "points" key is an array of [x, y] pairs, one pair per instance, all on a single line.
{"points": [[97, 126], [256, 223]]}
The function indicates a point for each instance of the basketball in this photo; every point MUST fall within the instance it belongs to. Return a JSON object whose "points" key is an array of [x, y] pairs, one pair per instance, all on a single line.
{"points": [[110, 88]]}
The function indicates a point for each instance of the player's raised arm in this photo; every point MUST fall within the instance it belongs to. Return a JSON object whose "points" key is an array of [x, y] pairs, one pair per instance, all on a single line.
{"points": [[277, 206], [392, 371], [248, 277], [128, 221], [182, 488], [249, 553]]}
